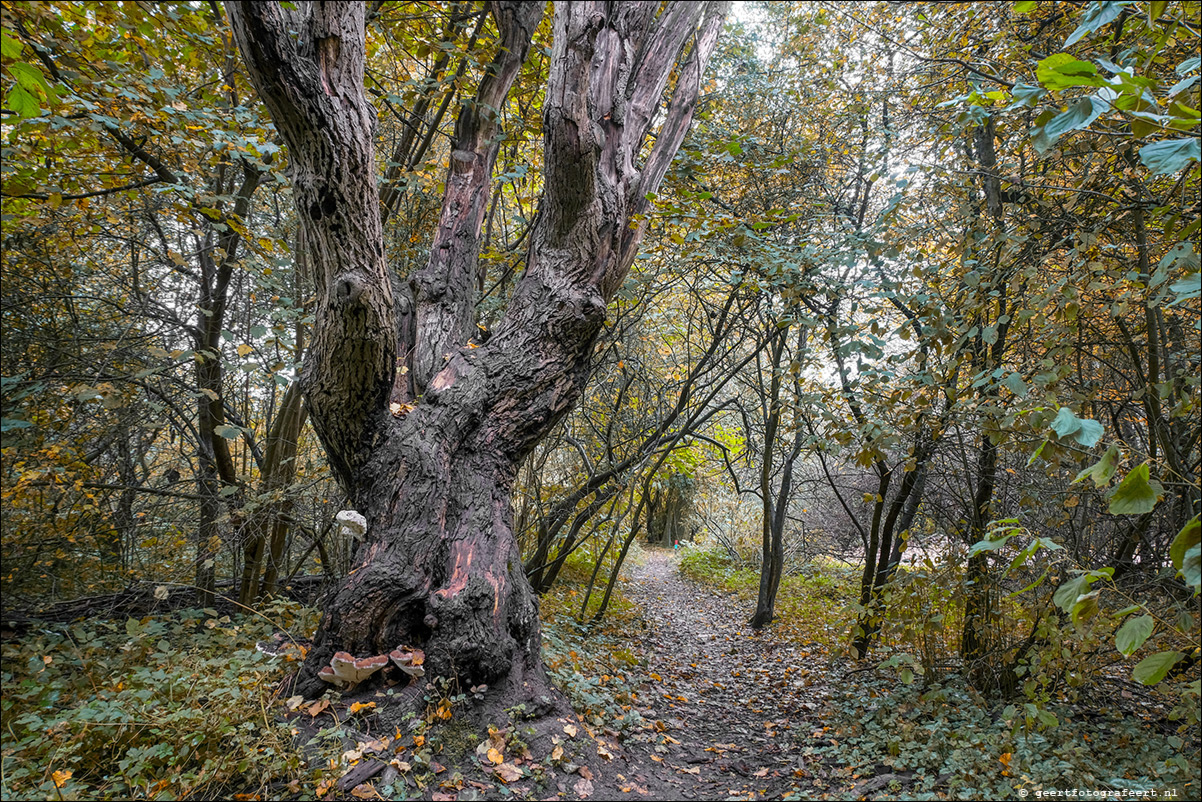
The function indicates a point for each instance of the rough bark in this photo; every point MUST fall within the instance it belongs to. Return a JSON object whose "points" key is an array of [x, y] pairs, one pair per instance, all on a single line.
{"points": [[440, 567], [445, 289]]}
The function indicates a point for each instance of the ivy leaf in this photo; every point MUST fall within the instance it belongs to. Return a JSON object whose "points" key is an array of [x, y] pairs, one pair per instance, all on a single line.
{"points": [[1102, 470], [1169, 156], [1136, 494], [1133, 633], [1153, 668], [1099, 14], [1060, 71]]}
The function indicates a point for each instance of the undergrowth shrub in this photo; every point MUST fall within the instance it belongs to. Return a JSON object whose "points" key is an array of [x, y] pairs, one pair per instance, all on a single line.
{"points": [[594, 665], [813, 604], [948, 741], [173, 706], [1058, 632]]}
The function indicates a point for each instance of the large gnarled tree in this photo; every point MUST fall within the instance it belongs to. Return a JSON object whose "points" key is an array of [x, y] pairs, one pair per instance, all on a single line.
{"points": [[440, 569]]}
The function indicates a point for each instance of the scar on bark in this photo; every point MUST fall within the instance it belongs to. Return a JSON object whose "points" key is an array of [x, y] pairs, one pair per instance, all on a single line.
{"points": [[328, 49]]}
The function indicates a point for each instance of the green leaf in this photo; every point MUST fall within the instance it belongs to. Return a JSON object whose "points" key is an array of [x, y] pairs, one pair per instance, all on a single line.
{"points": [[1186, 554], [1099, 14], [1085, 431], [30, 79], [1085, 606], [1191, 568], [1133, 633], [1078, 115], [227, 431], [1065, 423], [1102, 470], [23, 103], [9, 47], [1015, 384], [1025, 7], [13, 423], [1025, 96], [1153, 668], [1186, 288], [988, 545], [1090, 433], [1068, 593], [1169, 156], [1060, 71], [1035, 545], [1189, 536], [1136, 494]]}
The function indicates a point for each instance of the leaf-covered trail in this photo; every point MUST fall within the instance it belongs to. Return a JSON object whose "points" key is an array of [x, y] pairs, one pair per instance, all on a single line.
{"points": [[730, 708]]}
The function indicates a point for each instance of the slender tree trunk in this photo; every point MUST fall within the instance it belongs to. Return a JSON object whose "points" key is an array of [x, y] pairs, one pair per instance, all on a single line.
{"points": [[267, 528]]}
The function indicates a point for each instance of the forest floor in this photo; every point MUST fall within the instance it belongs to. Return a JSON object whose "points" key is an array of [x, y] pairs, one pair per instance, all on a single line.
{"points": [[727, 707], [673, 695]]}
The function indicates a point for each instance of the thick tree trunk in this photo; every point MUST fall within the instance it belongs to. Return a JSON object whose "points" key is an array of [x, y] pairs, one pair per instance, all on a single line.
{"points": [[439, 568]]}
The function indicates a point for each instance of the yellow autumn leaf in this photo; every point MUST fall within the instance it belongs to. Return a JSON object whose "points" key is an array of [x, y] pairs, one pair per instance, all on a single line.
{"points": [[244, 349], [496, 757]]}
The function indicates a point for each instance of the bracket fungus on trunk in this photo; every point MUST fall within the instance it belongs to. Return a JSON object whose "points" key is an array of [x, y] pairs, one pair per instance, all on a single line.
{"points": [[345, 670], [351, 524], [409, 660]]}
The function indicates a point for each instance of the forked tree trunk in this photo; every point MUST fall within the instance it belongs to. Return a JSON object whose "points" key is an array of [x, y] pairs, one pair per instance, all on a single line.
{"points": [[440, 568]]}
